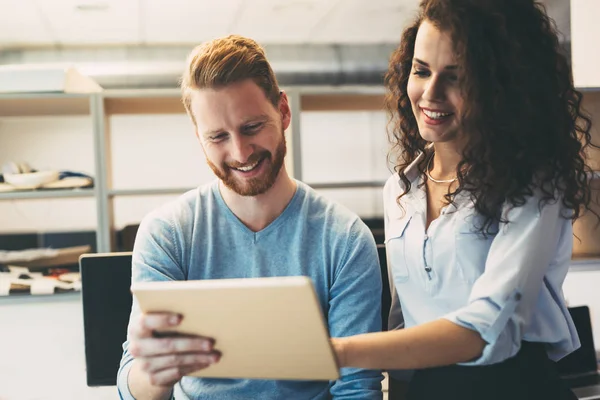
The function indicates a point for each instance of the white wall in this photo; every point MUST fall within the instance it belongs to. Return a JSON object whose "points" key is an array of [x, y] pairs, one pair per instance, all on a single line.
{"points": [[43, 350], [48, 143], [152, 151], [585, 30]]}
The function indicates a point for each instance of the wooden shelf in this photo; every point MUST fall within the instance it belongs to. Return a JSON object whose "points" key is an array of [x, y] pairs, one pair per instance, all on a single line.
{"points": [[27, 105], [47, 194], [143, 105], [148, 191], [347, 185], [313, 98], [322, 185], [342, 102], [582, 264]]}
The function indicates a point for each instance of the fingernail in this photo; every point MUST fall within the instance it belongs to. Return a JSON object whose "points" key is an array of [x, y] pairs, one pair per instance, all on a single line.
{"points": [[174, 320], [206, 345]]}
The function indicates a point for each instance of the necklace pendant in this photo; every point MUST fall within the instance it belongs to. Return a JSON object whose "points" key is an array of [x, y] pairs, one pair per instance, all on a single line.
{"points": [[433, 179]]}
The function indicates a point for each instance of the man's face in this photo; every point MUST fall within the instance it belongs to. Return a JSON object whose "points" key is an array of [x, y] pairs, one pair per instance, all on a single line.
{"points": [[242, 135]]}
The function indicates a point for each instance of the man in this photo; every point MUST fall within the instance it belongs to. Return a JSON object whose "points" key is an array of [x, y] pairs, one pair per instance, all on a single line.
{"points": [[253, 221]]}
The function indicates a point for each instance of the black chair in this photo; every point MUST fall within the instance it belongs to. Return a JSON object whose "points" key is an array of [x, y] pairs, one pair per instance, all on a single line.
{"points": [[580, 368], [106, 299]]}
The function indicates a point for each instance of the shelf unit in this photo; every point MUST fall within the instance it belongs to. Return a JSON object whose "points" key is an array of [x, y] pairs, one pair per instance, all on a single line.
{"points": [[47, 194], [56, 104], [101, 106]]}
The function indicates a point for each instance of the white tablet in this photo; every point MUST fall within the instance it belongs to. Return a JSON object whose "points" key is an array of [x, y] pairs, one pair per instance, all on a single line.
{"points": [[265, 328]]}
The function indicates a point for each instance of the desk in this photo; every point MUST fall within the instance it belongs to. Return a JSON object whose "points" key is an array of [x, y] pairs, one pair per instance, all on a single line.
{"points": [[588, 393], [42, 350]]}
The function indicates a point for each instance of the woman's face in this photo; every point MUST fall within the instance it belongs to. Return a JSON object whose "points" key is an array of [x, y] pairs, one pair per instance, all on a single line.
{"points": [[433, 86]]}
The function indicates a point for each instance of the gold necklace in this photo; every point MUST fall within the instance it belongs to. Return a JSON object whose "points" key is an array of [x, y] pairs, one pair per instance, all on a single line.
{"points": [[436, 180]]}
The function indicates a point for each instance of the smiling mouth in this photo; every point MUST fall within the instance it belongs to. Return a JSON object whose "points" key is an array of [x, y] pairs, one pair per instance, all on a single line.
{"points": [[436, 115], [249, 167]]}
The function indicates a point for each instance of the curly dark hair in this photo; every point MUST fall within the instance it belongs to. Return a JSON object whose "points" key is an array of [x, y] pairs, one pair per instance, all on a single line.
{"points": [[523, 117]]}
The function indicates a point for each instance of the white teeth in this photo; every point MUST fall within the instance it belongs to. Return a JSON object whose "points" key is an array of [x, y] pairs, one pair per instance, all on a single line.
{"points": [[248, 167], [435, 115]]}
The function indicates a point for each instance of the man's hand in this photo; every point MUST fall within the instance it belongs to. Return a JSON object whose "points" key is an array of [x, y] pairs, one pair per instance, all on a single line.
{"points": [[166, 358]]}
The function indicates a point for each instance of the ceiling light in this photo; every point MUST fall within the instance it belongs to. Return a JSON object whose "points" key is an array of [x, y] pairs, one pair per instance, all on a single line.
{"points": [[92, 6]]}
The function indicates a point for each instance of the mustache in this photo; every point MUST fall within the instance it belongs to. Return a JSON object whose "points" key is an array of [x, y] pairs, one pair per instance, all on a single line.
{"points": [[253, 159]]}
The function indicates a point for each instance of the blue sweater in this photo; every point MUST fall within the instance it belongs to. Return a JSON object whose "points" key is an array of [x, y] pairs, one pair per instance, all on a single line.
{"points": [[198, 237]]}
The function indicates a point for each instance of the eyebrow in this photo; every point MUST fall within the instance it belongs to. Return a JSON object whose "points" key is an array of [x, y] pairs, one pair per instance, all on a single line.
{"points": [[256, 118], [423, 63]]}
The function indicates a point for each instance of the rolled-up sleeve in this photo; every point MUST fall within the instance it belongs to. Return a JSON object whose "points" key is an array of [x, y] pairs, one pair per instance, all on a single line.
{"points": [[123, 374], [504, 296]]}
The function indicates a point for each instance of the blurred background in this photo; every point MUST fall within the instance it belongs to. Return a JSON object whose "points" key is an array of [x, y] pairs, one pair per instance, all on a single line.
{"points": [[143, 43], [89, 101], [138, 144]]}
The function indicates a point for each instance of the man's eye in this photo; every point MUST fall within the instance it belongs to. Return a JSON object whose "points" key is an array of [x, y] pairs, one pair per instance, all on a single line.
{"points": [[252, 128]]}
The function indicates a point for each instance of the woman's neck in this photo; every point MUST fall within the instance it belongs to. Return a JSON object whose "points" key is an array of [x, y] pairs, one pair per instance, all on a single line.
{"points": [[445, 161]]}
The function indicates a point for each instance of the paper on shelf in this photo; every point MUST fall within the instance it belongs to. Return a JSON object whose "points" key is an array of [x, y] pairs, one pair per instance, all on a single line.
{"points": [[43, 286], [4, 285]]}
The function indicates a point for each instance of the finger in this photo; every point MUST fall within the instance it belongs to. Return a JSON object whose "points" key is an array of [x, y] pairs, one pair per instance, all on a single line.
{"points": [[137, 329], [149, 347], [155, 364], [145, 324], [169, 377], [161, 321]]}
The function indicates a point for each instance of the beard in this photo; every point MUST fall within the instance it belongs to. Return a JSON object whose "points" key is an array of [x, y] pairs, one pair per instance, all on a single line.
{"points": [[257, 185]]}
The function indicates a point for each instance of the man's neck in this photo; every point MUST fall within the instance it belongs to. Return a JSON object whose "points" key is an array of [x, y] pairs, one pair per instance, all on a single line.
{"points": [[257, 212]]}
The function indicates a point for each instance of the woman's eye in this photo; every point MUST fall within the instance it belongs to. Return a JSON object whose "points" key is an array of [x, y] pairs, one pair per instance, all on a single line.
{"points": [[421, 72]]}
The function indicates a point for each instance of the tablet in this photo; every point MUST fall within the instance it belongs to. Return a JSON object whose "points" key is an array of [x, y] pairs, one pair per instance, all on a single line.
{"points": [[265, 328]]}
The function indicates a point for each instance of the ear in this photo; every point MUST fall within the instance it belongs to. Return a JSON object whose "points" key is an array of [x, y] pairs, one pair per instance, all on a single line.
{"points": [[284, 109]]}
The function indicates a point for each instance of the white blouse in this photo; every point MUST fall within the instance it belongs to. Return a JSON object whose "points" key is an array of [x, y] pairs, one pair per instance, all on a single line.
{"points": [[506, 286]]}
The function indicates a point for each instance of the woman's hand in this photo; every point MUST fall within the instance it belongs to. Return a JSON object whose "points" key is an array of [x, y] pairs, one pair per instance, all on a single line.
{"points": [[338, 345]]}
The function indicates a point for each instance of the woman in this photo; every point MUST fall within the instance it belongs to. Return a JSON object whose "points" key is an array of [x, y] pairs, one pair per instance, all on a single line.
{"points": [[491, 175]]}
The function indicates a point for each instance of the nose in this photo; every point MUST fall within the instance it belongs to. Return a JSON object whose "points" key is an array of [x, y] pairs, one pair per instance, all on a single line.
{"points": [[241, 148], [434, 89]]}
